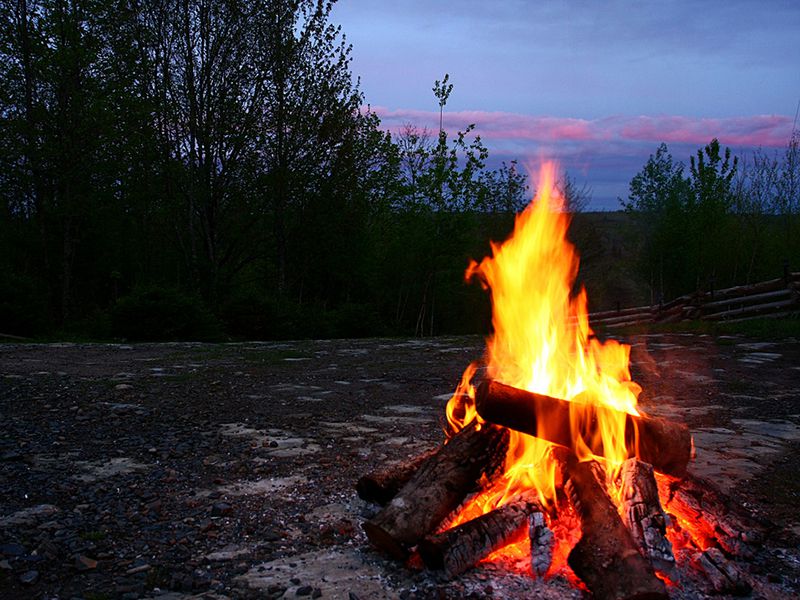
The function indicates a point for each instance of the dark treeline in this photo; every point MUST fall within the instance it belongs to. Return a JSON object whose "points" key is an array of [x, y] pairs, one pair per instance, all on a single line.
{"points": [[200, 168], [179, 167], [726, 221]]}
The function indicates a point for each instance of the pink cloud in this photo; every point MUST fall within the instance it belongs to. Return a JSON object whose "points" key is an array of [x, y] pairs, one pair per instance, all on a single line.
{"points": [[771, 131]]}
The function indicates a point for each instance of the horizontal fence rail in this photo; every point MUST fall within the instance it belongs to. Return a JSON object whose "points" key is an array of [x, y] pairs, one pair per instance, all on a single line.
{"points": [[773, 298]]}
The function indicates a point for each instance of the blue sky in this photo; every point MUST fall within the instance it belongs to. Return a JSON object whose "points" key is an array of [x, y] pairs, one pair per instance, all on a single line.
{"points": [[596, 85]]}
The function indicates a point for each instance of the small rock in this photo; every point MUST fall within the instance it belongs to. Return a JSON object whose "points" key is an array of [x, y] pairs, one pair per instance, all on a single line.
{"points": [[29, 577], [12, 549], [304, 591], [5, 565], [270, 535], [317, 593], [84, 563], [221, 509], [123, 386], [276, 589], [139, 569]]}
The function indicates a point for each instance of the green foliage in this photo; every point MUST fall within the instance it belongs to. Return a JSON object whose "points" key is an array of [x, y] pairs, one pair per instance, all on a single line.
{"points": [[23, 305], [222, 149], [162, 314], [728, 222]]}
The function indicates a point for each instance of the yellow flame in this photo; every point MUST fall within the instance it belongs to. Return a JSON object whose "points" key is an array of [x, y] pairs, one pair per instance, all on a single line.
{"points": [[542, 342]]}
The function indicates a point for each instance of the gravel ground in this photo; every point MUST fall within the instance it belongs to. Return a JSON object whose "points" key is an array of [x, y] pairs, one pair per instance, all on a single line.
{"points": [[228, 471]]}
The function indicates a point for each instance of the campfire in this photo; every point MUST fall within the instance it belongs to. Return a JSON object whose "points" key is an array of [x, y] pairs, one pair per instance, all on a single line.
{"points": [[550, 466]]}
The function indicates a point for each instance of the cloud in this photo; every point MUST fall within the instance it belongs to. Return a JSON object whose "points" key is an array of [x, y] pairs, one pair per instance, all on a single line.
{"points": [[768, 131], [606, 152]]}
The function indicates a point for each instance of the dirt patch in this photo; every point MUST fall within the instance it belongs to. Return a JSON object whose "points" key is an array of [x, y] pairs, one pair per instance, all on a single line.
{"points": [[228, 471]]}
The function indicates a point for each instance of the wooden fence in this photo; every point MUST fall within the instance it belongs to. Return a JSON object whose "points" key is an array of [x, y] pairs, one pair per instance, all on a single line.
{"points": [[774, 298]]}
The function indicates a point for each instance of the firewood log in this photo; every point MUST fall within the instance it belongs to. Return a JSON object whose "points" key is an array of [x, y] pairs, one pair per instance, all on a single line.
{"points": [[665, 445], [438, 487], [642, 514], [727, 524], [542, 543], [462, 547], [723, 576], [382, 484], [606, 558]]}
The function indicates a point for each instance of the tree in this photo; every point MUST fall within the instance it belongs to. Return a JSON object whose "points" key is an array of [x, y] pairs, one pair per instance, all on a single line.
{"points": [[787, 197], [754, 191], [69, 109], [652, 190], [504, 190], [575, 198], [709, 204], [658, 196]]}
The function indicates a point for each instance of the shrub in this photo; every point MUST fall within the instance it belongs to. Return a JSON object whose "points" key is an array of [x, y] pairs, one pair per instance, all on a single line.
{"points": [[163, 314], [23, 306]]}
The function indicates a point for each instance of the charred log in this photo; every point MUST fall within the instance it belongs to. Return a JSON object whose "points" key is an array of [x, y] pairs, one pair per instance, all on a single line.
{"points": [[723, 576], [665, 445], [462, 547], [606, 558], [641, 512], [725, 523], [383, 484], [438, 487], [542, 542]]}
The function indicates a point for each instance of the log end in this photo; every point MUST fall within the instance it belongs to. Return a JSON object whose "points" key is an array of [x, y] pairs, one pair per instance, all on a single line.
{"points": [[431, 554], [670, 458], [370, 491], [382, 540]]}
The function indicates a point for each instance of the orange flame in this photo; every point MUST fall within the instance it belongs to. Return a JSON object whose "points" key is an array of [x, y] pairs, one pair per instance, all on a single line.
{"points": [[542, 342]]}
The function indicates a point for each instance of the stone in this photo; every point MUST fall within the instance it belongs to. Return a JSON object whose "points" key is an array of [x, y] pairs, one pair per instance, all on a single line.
{"points": [[84, 563], [12, 549], [29, 577], [138, 569], [221, 509]]}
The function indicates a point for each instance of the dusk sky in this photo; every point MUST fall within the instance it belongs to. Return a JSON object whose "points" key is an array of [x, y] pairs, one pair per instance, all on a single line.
{"points": [[596, 85]]}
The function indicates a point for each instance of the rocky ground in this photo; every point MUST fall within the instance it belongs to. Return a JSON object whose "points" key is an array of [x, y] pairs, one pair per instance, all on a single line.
{"points": [[228, 471]]}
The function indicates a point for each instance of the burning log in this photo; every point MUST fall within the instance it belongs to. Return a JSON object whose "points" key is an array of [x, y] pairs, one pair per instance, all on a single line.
{"points": [[438, 487], [699, 501], [642, 513], [606, 558], [383, 484], [462, 547], [542, 542], [722, 575], [665, 445]]}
